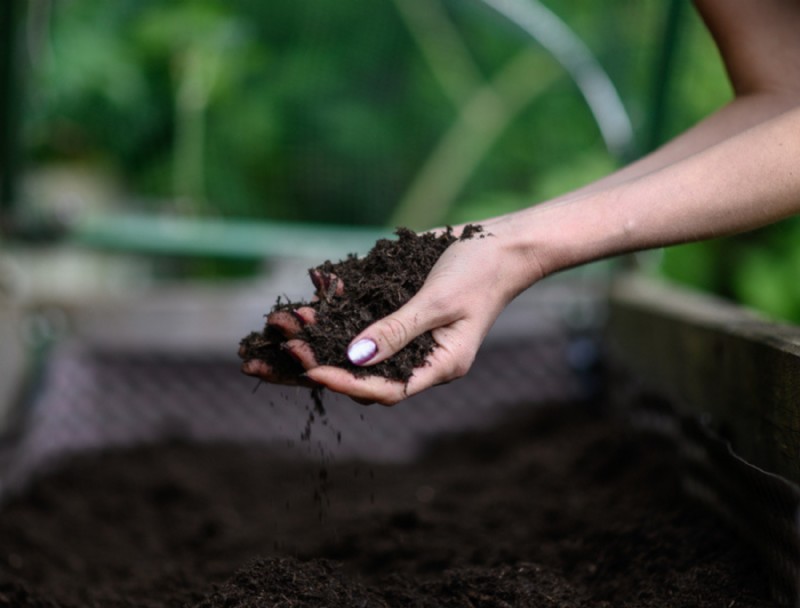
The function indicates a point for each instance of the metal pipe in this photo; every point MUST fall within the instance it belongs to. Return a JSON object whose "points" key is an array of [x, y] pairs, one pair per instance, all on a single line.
{"points": [[569, 50]]}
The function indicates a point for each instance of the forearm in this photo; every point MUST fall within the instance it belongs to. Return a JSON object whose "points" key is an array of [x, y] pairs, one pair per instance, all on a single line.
{"points": [[739, 115], [745, 181], [760, 48]]}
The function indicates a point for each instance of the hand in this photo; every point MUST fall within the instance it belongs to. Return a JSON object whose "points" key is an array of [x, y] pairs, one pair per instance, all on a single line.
{"points": [[463, 295], [278, 356]]}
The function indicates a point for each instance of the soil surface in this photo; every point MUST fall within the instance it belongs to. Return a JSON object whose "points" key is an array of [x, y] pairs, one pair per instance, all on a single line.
{"points": [[352, 294], [559, 507]]}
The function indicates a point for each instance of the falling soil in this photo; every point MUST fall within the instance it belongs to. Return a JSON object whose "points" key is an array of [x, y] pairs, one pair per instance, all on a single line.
{"points": [[560, 506], [354, 293]]}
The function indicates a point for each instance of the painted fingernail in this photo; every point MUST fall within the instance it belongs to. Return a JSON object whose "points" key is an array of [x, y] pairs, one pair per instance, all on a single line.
{"points": [[362, 351]]}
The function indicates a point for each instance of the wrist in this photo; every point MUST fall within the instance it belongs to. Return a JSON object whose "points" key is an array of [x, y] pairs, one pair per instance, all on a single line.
{"points": [[520, 257], [558, 235]]}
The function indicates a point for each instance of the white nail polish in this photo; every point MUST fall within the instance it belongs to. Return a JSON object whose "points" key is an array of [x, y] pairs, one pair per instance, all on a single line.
{"points": [[362, 351]]}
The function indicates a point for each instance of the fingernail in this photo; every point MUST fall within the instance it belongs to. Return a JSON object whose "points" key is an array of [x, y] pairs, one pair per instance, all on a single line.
{"points": [[299, 317], [362, 351]]}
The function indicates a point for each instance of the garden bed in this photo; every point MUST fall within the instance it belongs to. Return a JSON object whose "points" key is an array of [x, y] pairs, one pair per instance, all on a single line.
{"points": [[147, 472], [560, 505]]}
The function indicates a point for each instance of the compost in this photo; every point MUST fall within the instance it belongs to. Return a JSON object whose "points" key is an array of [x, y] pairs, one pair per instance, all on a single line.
{"points": [[354, 293], [558, 506]]}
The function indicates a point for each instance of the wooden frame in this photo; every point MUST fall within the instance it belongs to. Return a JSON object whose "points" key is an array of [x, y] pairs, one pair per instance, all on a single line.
{"points": [[733, 368]]}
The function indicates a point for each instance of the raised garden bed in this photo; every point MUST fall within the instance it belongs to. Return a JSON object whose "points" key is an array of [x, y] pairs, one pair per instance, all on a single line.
{"points": [[146, 477]]}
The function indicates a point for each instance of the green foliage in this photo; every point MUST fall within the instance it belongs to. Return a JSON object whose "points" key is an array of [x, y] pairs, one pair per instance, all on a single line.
{"points": [[313, 111], [767, 270], [759, 269], [696, 265], [325, 111]]}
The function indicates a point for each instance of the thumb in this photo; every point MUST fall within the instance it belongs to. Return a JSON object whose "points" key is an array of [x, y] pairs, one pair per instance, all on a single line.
{"points": [[388, 336]]}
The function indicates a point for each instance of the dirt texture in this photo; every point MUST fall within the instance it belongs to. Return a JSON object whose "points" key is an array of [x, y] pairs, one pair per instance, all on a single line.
{"points": [[561, 506], [354, 293]]}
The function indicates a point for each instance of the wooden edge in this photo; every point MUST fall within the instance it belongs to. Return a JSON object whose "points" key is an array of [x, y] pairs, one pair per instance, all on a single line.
{"points": [[735, 369]]}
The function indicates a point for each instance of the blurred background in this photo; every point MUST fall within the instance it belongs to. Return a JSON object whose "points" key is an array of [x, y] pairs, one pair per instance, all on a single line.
{"points": [[151, 140], [169, 168]]}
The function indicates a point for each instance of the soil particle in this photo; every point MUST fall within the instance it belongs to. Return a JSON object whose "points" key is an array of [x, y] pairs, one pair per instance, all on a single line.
{"points": [[290, 583], [559, 507], [373, 287]]}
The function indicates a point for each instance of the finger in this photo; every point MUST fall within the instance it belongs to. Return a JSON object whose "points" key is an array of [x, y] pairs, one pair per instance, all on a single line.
{"points": [[264, 371], [327, 284], [450, 360], [290, 322], [301, 351], [305, 315], [377, 389], [388, 336], [438, 370], [370, 389]]}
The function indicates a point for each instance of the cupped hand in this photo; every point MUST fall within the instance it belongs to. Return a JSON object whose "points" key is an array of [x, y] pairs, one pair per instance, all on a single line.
{"points": [[288, 324], [466, 290]]}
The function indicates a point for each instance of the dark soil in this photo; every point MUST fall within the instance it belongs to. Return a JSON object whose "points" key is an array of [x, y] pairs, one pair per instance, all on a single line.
{"points": [[374, 286], [560, 507]]}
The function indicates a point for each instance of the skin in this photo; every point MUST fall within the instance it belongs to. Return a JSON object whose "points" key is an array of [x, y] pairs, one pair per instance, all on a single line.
{"points": [[737, 170]]}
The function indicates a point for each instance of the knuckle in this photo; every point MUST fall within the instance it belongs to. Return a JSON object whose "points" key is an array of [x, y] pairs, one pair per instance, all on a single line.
{"points": [[443, 308], [396, 332]]}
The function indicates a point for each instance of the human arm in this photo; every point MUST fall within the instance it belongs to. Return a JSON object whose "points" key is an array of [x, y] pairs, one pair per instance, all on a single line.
{"points": [[760, 47], [748, 181], [735, 171]]}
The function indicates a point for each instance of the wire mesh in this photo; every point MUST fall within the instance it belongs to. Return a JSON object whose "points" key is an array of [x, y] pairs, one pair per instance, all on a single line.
{"points": [[94, 396]]}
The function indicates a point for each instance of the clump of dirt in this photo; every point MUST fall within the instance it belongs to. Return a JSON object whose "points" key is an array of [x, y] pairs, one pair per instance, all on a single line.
{"points": [[373, 287], [266, 345]]}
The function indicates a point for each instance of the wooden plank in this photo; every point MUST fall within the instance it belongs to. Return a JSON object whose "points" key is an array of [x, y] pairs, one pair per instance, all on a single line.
{"points": [[737, 370]]}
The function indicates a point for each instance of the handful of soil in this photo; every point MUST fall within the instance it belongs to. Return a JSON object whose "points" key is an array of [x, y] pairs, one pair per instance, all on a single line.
{"points": [[354, 293]]}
